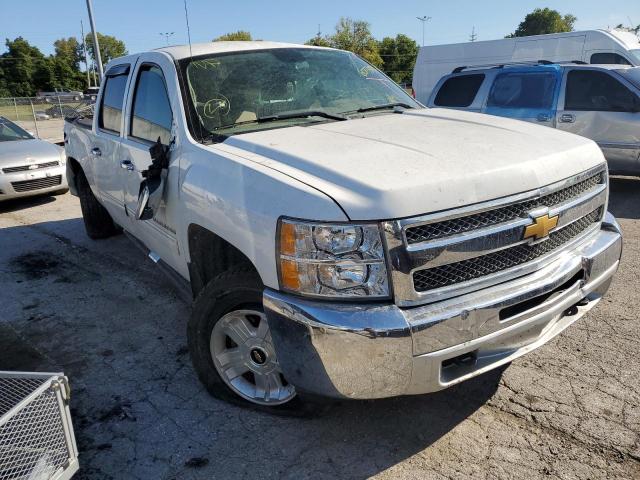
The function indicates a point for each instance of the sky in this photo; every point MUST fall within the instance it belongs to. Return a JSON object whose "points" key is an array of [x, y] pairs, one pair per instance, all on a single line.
{"points": [[139, 23]]}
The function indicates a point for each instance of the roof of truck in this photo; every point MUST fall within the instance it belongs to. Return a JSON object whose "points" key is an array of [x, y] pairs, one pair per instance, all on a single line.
{"points": [[183, 51]]}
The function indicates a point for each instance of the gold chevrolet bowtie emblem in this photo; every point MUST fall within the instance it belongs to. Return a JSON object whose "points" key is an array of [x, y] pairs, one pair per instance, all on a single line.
{"points": [[541, 228]]}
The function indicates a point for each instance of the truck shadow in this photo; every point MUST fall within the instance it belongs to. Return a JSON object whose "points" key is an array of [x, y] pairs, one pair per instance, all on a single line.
{"points": [[100, 312], [624, 197]]}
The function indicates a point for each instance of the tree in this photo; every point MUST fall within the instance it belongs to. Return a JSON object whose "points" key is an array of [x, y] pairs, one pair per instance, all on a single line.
{"points": [[110, 47], [318, 41], [240, 35], [542, 21], [398, 57], [69, 52], [355, 36], [20, 63]]}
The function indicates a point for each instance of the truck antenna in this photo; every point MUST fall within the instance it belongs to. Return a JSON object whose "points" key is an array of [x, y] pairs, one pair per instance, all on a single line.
{"points": [[186, 16]]}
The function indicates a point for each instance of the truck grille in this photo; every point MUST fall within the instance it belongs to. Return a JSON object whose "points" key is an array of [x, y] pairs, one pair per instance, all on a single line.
{"points": [[450, 253], [433, 231], [33, 166], [36, 184], [474, 268]]}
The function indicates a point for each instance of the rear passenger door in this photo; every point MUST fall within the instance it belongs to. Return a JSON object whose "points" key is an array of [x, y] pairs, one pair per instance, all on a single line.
{"points": [[105, 149], [525, 95], [600, 105], [460, 92]]}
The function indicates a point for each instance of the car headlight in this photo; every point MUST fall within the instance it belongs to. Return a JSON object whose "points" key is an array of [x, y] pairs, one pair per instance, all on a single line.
{"points": [[332, 260]]}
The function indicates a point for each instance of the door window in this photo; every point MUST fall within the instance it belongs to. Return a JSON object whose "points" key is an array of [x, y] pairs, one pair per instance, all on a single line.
{"points": [[151, 116], [608, 59], [459, 91], [590, 90], [523, 90], [110, 116]]}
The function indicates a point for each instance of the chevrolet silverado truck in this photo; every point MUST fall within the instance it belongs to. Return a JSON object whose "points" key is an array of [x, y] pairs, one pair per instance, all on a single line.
{"points": [[337, 238]]}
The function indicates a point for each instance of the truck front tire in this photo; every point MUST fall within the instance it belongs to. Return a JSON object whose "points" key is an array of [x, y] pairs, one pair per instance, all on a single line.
{"points": [[97, 221], [231, 349]]}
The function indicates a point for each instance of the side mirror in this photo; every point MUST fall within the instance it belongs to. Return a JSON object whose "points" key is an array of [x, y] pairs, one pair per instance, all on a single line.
{"points": [[149, 197]]}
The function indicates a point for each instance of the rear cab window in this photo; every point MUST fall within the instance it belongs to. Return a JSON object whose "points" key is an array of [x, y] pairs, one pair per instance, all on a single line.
{"points": [[112, 103], [533, 90], [459, 91]]}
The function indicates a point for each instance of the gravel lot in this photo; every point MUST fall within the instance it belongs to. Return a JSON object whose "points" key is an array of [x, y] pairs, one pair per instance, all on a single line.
{"points": [[100, 312]]}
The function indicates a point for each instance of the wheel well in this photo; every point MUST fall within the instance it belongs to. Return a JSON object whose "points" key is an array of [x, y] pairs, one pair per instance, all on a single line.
{"points": [[210, 256], [72, 172]]}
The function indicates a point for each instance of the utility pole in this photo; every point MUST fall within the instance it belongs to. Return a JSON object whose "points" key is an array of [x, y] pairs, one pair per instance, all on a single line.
{"points": [[96, 46], [86, 57], [166, 35], [474, 36], [424, 20]]}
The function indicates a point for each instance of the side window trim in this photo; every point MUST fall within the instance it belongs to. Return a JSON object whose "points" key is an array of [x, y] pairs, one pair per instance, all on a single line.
{"points": [[134, 90], [115, 71]]}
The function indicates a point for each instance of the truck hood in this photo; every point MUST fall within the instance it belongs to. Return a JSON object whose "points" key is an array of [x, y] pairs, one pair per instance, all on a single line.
{"points": [[422, 161]]}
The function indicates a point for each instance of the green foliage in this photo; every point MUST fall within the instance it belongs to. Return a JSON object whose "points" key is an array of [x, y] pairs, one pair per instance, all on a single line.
{"points": [[542, 21], [318, 41], [69, 51], [240, 35], [23, 64], [398, 57], [110, 47]]}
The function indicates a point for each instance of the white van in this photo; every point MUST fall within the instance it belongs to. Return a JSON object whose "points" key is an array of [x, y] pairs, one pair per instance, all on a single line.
{"points": [[591, 46]]}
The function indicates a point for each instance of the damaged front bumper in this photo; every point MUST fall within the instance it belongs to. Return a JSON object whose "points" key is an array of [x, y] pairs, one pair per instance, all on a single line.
{"points": [[365, 351]]}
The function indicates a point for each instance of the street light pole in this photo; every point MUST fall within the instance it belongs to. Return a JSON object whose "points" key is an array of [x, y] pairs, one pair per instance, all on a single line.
{"points": [[166, 35], [424, 20], [96, 46], [86, 57]]}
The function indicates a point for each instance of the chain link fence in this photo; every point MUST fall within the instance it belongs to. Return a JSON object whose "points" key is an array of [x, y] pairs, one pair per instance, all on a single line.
{"points": [[43, 116]]}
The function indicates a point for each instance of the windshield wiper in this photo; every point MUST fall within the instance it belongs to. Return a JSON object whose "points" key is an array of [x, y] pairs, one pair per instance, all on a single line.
{"points": [[385, 106], [285, 116], [310, 113]]}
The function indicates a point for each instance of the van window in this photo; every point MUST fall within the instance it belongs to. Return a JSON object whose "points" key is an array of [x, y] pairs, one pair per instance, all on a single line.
{"points": [[151, 115], [609, 59], [590, 90], [459, 91], [523, 90], [110, 115]]}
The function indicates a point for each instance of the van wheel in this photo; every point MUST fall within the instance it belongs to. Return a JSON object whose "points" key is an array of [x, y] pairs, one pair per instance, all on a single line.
{"points": [[97, 221], [231, 347]]}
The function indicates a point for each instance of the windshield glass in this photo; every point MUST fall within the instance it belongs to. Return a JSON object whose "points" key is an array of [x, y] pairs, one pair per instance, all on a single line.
{"points": [[230, 93], [9, 131], [636, 54], [631, 74]]}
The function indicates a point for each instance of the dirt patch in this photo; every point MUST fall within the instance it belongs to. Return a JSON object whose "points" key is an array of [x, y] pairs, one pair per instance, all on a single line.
{"points": [[35, 265]]}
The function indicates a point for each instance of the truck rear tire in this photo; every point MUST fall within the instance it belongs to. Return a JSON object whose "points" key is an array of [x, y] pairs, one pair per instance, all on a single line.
{"points": [[231, 349], [97, 221]]}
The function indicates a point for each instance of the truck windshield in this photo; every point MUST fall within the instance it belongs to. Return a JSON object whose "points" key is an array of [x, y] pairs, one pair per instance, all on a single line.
{"points": [[231, 93]]}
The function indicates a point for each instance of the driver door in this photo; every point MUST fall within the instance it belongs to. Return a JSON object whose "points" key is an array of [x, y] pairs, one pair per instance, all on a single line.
{"points": [[150, 117]]}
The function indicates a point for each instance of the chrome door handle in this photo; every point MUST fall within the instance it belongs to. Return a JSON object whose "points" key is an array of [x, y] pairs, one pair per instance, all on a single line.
{"points": [[127, 165], [96, 152], [567, 118]]}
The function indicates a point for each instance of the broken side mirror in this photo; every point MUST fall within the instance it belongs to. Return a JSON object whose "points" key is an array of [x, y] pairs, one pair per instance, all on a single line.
{"points": [[152, 187]]}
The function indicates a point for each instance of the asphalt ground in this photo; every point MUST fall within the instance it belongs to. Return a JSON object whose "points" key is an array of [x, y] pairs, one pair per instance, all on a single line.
{"points": [[100, 312]]}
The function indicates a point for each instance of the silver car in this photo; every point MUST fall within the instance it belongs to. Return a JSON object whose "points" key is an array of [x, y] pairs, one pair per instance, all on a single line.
{"points": [[600, 102], [29, 166]]}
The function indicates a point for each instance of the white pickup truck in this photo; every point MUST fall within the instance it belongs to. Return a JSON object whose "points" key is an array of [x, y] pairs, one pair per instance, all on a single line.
{"points": [[338, 238]]}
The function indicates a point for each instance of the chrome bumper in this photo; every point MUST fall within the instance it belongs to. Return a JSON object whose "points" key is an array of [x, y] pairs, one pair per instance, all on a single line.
{"points": [[363, 351]]}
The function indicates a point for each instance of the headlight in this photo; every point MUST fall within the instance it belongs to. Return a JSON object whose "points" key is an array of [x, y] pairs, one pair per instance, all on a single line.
{"points": [[326, 260]]}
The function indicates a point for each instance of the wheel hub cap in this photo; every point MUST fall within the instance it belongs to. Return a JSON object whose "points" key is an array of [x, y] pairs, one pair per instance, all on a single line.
{"points": [[245, 359]]}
